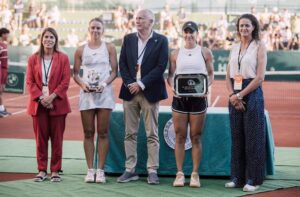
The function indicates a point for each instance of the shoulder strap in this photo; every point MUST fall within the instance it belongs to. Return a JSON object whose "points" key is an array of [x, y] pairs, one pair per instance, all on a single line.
{"points": [[203, 55]]}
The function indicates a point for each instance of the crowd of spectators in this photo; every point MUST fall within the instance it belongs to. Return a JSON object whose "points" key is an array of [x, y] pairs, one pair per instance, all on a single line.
{"points": [[280, 28]]}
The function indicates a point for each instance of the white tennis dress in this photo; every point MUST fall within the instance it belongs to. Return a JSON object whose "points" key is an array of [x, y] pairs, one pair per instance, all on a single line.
{"points": [[96, 69]]}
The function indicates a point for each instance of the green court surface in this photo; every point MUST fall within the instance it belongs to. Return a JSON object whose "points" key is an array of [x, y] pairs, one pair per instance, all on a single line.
{"points": [[18, 156]]}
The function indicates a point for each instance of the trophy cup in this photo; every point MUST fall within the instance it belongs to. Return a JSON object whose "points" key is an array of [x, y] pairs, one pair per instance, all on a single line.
{"points": [[93, 79], [188, 85]]}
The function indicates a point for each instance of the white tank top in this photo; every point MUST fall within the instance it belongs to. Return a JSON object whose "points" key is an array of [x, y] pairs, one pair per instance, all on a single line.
{"points": [[248, 62], [190, 61], [95, 63]]}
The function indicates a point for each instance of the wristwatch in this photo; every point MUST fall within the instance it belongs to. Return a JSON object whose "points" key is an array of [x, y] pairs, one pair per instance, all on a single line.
{"points": [[239, 96]]}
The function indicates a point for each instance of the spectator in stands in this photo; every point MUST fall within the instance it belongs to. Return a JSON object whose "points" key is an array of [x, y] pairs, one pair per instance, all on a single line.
{"points": [[4, 35], [295, 44], [118, 17], [72, 39], [42, 16], [53, 16], [229, 40], [276, 38], [24, 38], [266, 36], [296, 24], [286, 16], [48, 78], [211, 41], [171, 32], [245, 74], [31, 21], [6, 16], [18, 7], [143, 60], [165, 17], [265, 17], [189, 111], [285, 38], [99, 62], [182, 16]]}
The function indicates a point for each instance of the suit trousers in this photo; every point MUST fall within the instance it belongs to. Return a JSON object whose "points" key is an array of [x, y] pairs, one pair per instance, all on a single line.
{"points": [[45, 127], [132, 114], [248, 151]]}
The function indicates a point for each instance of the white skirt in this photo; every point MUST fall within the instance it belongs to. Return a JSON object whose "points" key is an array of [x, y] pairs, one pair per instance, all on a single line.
{"points": [[95, 100]]}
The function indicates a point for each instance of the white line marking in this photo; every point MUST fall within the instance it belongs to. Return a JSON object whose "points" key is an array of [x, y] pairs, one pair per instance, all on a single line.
{"points": [[24, 96], [72, 97], [16, 98], [19, 112], [24, 110], [215, 102]]}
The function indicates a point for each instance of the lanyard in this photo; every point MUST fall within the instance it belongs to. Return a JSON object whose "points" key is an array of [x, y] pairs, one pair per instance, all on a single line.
{"points": [[143, 51], [240, 58], [47, 72]]}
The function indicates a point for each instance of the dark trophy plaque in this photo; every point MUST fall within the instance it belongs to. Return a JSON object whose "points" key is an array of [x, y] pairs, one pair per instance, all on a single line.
{"points": [[191, 85]]}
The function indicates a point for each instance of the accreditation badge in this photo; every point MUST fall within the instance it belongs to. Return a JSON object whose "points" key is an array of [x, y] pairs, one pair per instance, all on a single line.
{"points": [[45, 91], [138, 71], [238, 82]]}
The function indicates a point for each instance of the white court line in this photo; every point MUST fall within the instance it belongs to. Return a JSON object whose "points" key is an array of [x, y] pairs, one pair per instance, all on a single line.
{"points": [[16, 98], [24, 110], [215, 102], [24, 96], [72, 97], [19, 112]]}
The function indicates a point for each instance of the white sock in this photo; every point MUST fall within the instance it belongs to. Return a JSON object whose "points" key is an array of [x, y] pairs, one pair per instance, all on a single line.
{"points": [[2, 108], [152, 171], [130, 170]]}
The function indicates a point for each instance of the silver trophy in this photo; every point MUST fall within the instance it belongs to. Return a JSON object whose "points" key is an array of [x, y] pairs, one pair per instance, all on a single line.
{"points": [[187, 85], [93, 79]]}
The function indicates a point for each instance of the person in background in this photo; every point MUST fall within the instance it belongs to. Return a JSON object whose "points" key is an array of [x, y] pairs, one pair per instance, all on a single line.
{"points": [[143, 60], [189, 111], [47, 81], [4, 36], [19, 8], [245, 74], [98, 60]]}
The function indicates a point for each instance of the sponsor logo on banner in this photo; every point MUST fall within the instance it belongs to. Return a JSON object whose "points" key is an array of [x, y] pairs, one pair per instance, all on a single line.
{"points": [[170, 137], [12, 79]]}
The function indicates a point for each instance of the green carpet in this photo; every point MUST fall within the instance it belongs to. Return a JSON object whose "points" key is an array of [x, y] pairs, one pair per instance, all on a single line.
{"points": [[18, 156]]}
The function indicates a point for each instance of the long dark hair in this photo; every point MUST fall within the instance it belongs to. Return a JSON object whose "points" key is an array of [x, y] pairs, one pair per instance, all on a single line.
{"points": [[41, 51], [254, 22]]}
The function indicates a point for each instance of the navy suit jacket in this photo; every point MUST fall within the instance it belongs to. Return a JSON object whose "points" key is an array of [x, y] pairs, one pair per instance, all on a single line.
{"points": [[153, 66]]}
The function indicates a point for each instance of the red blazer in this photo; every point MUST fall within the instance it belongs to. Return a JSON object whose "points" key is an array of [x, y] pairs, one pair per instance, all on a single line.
{"points": [[59, 80]]}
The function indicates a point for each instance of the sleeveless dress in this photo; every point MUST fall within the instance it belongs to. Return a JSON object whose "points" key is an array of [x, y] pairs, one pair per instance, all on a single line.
{"points": [[96, 69]]}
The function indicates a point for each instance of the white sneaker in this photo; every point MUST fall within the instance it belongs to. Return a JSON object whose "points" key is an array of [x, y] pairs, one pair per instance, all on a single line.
{"points": [[179, 180], [195, 181], [230, 185], [100, 176], [90, 176], [250, 188]]}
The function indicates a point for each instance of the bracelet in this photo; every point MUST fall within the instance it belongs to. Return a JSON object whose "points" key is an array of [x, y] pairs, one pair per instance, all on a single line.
{"points": [[104, 84], [230, 95], [239, 96]]}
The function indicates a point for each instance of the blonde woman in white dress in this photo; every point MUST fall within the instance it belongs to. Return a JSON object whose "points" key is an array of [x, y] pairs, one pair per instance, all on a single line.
{"points": [[99, 63]]}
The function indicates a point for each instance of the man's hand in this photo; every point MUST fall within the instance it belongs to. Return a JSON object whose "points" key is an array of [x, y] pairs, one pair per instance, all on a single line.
{"points": [[134, 88]]}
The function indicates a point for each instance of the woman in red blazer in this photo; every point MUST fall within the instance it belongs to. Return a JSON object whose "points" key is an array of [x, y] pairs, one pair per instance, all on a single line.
{"points": [[48, 78]]}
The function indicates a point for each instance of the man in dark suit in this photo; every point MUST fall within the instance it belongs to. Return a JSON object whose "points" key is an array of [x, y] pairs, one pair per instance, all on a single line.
{"points": [[143, 60]]}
